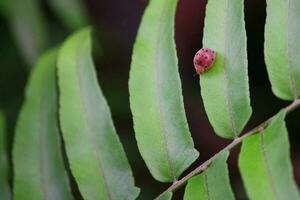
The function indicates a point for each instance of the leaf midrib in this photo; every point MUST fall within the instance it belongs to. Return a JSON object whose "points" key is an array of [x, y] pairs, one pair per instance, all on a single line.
{"points": [[157, 92], [290, 73], [206, 185], [226, 81], [267, 165], [41, 154], [89, 132]]}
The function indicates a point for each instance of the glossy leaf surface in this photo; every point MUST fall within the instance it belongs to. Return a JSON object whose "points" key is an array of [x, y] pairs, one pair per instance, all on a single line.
{"points": [[224, 88], [211, 184], [282, 47], [39, 171], [97, 159], [265, 163], [156, 101]]}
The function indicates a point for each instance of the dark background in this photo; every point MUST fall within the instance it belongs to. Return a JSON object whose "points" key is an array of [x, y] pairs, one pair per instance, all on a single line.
{"points": [[116, 24]]}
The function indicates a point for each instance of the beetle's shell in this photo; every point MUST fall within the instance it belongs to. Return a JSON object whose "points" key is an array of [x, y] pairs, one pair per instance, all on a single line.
{"points": [[204, 60]]}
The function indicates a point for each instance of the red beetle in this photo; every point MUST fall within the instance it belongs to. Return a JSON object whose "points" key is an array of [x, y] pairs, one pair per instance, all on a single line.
{"points": [[204, 60]]}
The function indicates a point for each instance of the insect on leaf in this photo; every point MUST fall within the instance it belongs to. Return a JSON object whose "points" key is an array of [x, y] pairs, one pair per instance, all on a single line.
{"points": [[156, 101], [39, 171], [213, 183], [282, 47], [224, 88], [97, 159], [265, 163]]}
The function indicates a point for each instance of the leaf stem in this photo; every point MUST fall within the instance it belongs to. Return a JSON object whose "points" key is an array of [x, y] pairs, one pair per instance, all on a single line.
{"points": [[230, 146]]}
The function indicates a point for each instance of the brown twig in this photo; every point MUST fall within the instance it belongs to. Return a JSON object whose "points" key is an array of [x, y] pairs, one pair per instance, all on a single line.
{"points": [[230, 146]]}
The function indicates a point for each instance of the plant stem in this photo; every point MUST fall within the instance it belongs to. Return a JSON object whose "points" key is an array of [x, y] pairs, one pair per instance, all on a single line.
{"points": [[230, 146]]}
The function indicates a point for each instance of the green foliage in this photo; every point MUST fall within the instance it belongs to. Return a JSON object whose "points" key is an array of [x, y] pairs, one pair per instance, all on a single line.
{"points": [[224, 88], [29, 27], [265, 163], [212, 184], [95, 153], [166, 196], [5, 193], [156, 101], [282, 47], [71, 12], [4, 7], [38, 165]]}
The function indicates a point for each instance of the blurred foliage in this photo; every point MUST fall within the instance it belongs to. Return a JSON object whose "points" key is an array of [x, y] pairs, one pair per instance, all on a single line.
{"points": [[27, 29], [70, 12], [32, 28], [4, 7], [12, 77], [5, 192], [29, 26], [37, 157]]}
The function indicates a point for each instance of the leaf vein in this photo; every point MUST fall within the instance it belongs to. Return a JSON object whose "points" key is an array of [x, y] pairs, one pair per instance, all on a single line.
{"points": [[41, 159], [226, 80], [89, 132], [266, 161], [206, 185], [157, 89], [290, 74]]}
